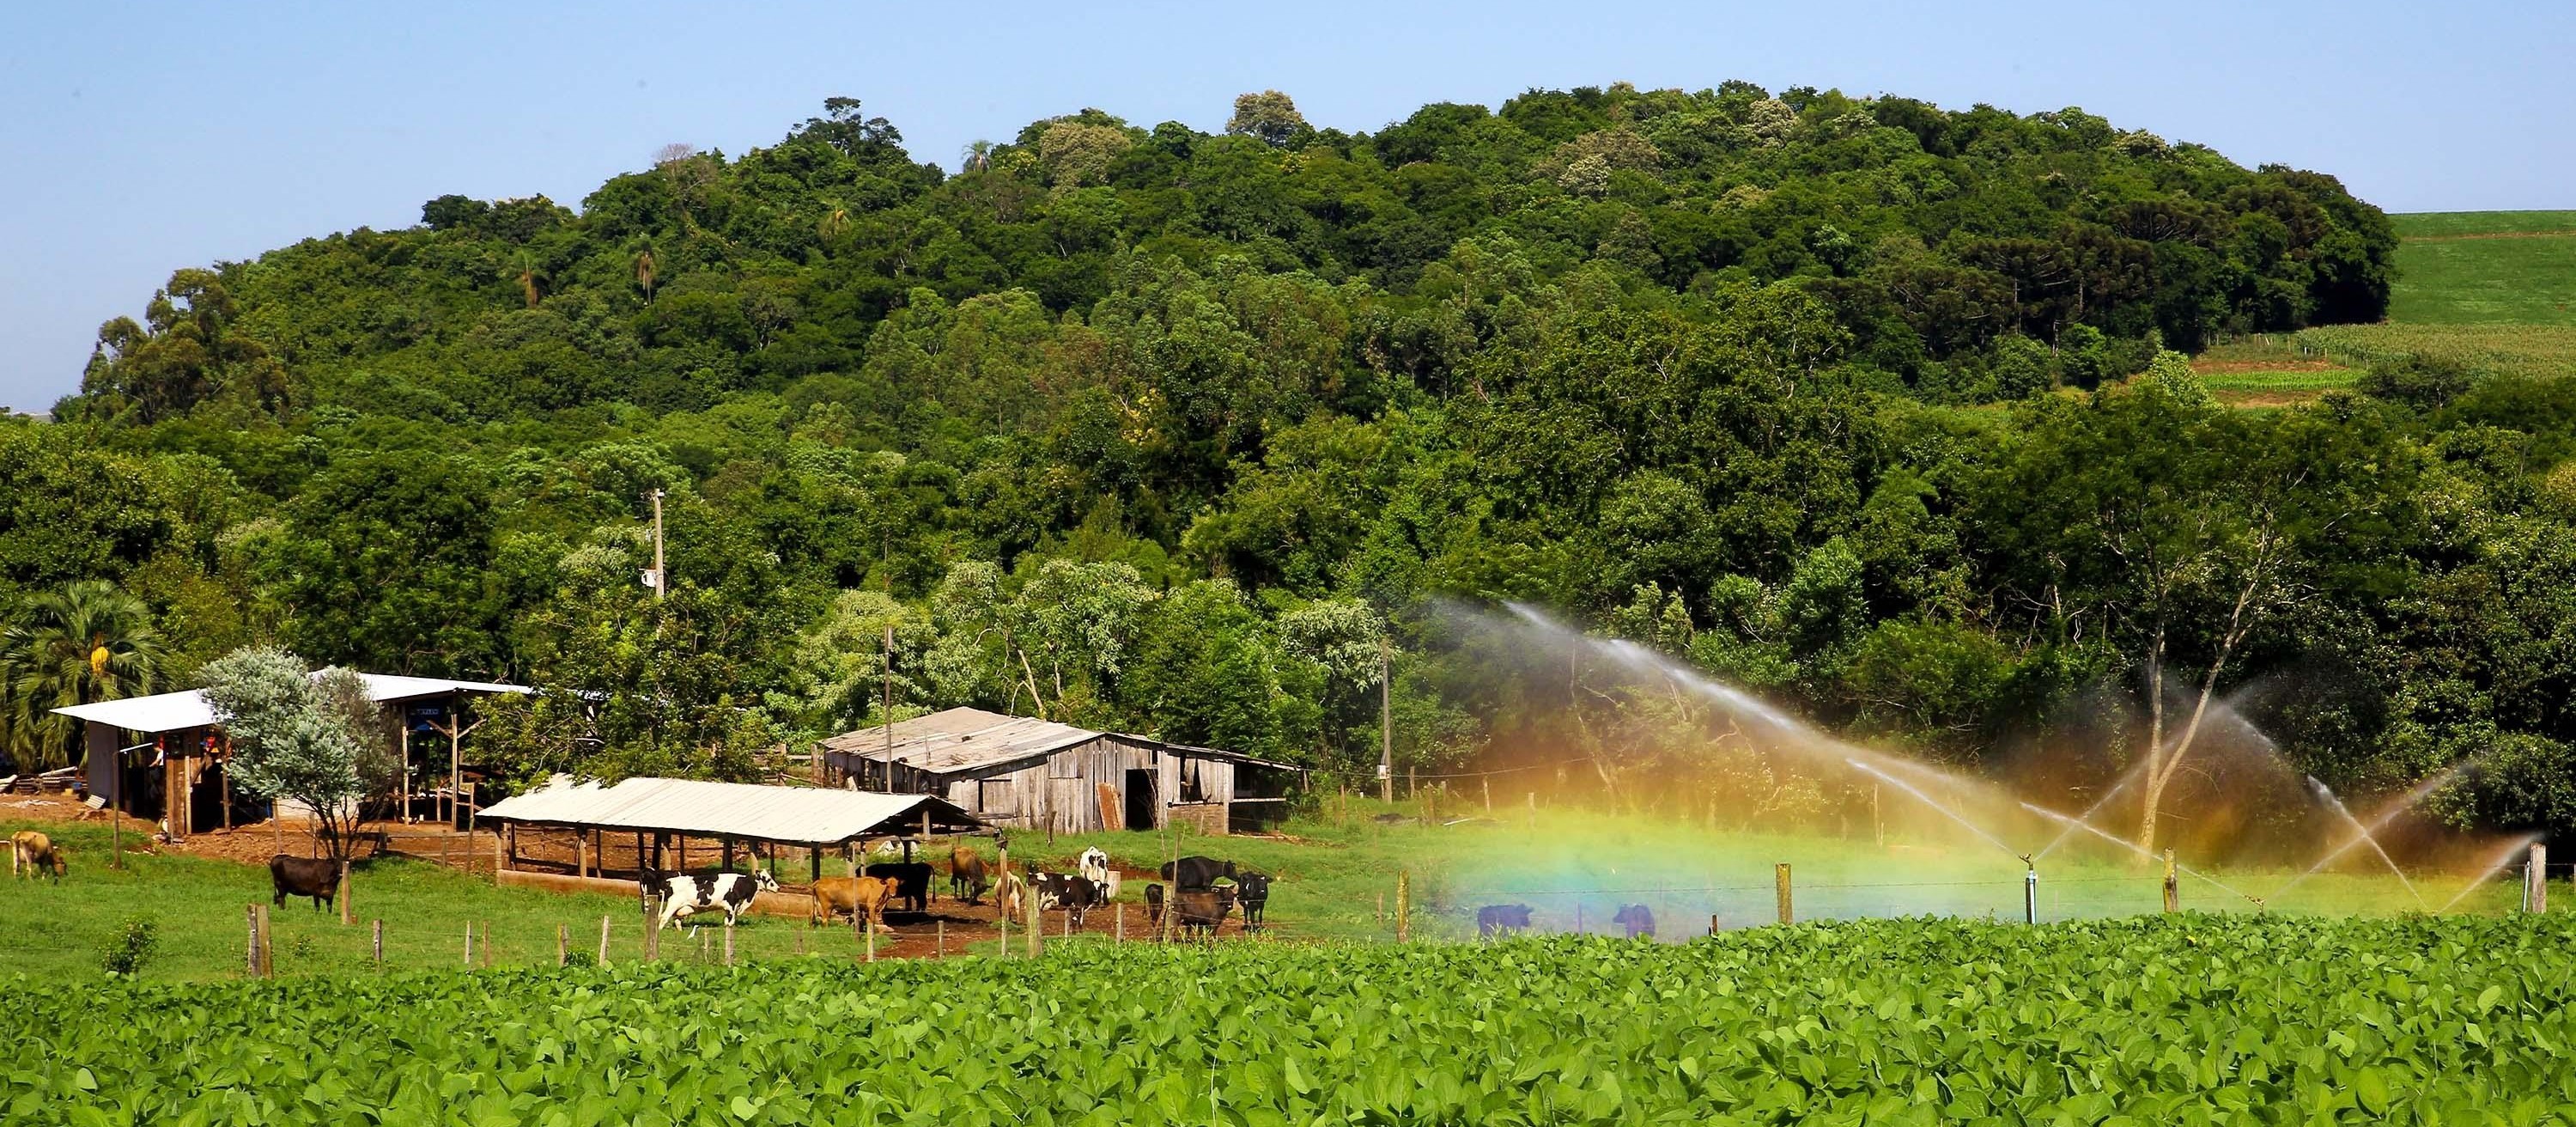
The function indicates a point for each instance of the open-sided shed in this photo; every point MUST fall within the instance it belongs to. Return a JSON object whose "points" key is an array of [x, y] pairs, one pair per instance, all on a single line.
{"points": [[659, 809], [1019, 770], [141, 751]]}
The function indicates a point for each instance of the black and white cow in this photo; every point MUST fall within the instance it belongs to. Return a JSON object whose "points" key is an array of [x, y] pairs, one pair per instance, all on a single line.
{"points": [[686, 895], [1072, 892]]}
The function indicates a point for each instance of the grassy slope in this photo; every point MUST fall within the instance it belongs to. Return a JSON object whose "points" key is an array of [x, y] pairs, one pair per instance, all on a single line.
{"points": [[2493, 289], [1332, 879]]}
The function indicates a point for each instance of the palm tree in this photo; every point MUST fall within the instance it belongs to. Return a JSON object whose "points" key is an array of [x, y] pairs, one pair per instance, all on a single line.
{"points": [[979, 156], [834, 222], [528, 277], [85, 643], [644, 272]]}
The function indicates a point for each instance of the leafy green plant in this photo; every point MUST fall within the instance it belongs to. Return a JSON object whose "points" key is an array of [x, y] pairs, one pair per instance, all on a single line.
{"points": [[2171, 1019], [132, 947]]}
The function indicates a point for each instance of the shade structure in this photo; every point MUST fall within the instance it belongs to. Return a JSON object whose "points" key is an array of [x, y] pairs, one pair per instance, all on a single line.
{"points": [[172, 712], [789, 815]]}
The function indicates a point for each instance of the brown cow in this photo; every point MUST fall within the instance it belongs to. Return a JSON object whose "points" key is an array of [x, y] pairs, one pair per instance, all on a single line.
{"points": [[837, 895], [317, 877], [37, 854], [968, 875]]}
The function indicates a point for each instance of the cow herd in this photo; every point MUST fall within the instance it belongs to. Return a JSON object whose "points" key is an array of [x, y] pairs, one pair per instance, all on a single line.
{"points": [[1636, 921], [1204, 891]]}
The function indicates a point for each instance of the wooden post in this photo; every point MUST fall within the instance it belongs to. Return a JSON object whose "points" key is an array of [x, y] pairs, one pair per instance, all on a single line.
{"points": [[347, 915], [500, 855], [704, 941], [871, 939], [580, 854], [1122, 922], [728, 944], [652, 933], [603, 941], [1712, 923], [469, 944], [2173, 884], [1487, 784], [1037, 922], [940, 931], [800, 943], [250, 951], [487, 943], [1386, 720], [1403, 906], [814, 859], [1780, 877], [2535, 880], [1002, 913], [379, 946], [563, 944]]}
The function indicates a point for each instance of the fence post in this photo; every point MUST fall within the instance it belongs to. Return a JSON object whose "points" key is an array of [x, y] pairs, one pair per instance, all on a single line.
{"points": [[728, 945], [2173, 884], [603, 941], [1780, 879], [1122, 922], [379, 928], [1036, 920], [1403, 906], [563, 944], [2535, 880], [1712, 923], [941, 926], [869, 937], [250, 950], [652, 933], [1003, 915], [347, 914], [267, 948], [469, 945]]}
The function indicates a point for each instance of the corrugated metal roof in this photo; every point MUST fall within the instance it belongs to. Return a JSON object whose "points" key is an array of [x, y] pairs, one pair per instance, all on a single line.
{"points": [[970, 739], [799, 815], [170, 712], [961, 739]]}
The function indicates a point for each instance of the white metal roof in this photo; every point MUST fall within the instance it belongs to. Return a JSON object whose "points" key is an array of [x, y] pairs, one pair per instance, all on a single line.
{"points": [[170, 712], [800, 815], [961, 739]]}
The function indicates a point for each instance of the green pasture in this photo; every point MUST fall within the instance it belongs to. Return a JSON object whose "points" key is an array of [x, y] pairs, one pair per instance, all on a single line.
{"points": [[1337, 881]]}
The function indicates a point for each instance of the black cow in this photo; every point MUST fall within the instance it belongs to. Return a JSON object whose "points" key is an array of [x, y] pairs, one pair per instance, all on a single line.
{"points": [[1501, 918], [684, 895], [1202, 910], [1197, 872], [1637, 919], [915, 877], [1252, 890], [304, 876], [1153, 907], [1073, 893]]}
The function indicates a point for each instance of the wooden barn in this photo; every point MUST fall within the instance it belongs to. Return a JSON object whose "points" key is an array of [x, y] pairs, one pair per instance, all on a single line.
{"points": [[1021, 771]]}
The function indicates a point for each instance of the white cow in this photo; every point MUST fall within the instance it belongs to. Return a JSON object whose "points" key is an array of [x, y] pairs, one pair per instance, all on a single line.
{"points": [[1094, 865], [683, 895]]}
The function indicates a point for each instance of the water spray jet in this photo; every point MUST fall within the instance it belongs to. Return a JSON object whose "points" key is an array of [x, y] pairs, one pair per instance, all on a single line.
{"points": [[2503, 858]]}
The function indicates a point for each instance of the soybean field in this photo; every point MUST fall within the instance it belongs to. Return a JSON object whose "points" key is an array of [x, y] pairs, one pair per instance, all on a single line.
{"points": [[2174, 1019]]}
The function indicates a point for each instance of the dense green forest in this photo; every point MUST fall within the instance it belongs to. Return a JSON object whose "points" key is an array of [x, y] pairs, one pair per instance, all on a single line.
{"points": [[1874, 408]]}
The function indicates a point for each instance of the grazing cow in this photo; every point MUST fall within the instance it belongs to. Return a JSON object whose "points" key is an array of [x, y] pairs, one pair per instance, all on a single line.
{"points": [[1493, 919], [1073, 893], [1252, 890], [835, 896], [1196, 872], [1202, 910], [1637, 919], [37, 855], [915, 876], [1153, 907], [684, 895], [1012, 901], [968, 876], [316, 877]]}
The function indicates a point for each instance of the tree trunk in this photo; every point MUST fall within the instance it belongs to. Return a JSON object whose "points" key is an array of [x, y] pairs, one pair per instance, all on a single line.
{"points": [[2155, 788]]}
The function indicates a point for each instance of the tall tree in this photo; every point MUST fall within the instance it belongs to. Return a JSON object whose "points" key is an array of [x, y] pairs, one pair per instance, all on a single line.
{"points": [[84, 643]]}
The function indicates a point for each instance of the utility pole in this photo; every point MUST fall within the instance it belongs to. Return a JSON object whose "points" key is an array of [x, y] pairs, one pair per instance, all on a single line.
{"points": [[1385, 719], [661, 577], [888, 662]]}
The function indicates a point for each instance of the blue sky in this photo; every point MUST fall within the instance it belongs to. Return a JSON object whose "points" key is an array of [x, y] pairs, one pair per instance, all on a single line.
{"points": [[148, 137]]}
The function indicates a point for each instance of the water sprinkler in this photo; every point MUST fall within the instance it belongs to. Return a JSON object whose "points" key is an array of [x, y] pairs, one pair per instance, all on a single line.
{"points": [[2029, 891]]}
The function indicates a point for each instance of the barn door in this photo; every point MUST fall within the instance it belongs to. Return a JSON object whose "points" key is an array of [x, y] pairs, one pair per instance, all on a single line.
{"points": [[1140, 799]]}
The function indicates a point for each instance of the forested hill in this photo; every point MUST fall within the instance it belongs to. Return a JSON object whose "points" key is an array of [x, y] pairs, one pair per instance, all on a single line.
{"points": [[1936, 241], [1867, 405]]}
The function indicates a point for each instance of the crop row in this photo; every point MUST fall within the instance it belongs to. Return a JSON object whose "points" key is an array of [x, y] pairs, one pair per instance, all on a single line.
{"points": [[2534, 350], [2179, 1019]]}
